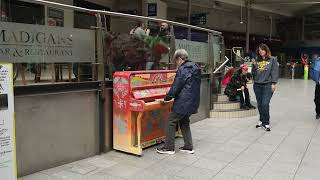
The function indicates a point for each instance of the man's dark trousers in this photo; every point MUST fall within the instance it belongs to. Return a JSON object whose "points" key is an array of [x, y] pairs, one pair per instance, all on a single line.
{"points": [[184, 123]]}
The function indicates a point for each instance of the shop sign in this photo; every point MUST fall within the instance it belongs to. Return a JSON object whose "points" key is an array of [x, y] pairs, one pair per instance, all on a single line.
{"points": [[26, 43], [8, 166]]}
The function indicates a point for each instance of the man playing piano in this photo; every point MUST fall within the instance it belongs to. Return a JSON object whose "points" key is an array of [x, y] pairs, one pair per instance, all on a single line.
{"points": [[185, 91]]}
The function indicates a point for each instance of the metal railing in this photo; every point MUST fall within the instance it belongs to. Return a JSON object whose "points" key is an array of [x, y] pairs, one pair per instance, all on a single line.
{"points": [[116, 14], [222, 65]]}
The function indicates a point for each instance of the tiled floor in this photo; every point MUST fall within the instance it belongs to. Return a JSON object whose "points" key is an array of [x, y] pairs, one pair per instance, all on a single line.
{"points": [[231, 149]]}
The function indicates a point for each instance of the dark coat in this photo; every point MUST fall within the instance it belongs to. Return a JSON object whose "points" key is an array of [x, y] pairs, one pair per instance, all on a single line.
{"points": [[235, 83], [186, 89]]}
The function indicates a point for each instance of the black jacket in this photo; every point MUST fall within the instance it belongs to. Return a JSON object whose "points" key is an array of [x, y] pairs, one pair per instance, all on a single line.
{"points": [[235, 83], [186, 89]]}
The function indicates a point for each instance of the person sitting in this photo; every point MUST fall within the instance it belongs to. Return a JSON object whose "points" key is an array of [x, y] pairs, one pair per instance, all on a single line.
{"points": [[237, 87]]}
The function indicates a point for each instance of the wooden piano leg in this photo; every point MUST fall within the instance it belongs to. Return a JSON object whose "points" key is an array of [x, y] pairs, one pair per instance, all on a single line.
{"points": [[139, 124]]}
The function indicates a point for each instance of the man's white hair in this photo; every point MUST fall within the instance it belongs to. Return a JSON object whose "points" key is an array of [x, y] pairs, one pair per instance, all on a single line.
{"points": [[181, 53]]}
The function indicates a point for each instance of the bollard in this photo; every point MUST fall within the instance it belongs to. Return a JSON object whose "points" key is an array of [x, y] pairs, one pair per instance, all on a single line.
{"points": [[292, 73], [306, 72]]}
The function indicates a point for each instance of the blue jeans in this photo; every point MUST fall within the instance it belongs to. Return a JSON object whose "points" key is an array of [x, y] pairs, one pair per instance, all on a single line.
{"points": [[263, 95]]}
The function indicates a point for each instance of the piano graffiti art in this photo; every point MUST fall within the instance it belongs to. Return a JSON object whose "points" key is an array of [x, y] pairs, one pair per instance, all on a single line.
{"points": [[139, 118]]}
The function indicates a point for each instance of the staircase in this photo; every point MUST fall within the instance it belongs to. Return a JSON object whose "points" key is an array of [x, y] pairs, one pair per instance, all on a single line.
{"points": [[225, 109]]}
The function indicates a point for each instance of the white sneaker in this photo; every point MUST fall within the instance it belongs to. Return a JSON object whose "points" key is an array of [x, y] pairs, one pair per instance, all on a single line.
{"points": [[189, 151]]}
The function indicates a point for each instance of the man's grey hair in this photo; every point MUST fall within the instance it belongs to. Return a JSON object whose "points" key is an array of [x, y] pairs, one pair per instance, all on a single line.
{"points": [[181, 53]]}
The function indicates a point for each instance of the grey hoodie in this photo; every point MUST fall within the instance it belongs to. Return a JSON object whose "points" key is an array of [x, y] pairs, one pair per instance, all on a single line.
{"points": [[266, 71]]}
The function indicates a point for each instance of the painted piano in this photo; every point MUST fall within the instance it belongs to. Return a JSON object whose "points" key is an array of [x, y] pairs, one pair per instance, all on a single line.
{"points": [[139, 119]]}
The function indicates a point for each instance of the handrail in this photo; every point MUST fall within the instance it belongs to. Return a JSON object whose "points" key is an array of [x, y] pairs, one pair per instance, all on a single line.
{"points": [[237, 54], [221, 66], [122, 15]]}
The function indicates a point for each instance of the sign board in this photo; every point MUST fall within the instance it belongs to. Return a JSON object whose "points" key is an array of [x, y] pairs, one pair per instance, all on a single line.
{"points": [[8, 167], [199, 19], [26, 43], [152, 9]]}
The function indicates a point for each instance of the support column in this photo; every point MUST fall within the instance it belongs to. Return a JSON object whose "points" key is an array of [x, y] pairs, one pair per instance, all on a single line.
{"points": [[101, 78], [189, 19], [302, 31], [248, 26]]}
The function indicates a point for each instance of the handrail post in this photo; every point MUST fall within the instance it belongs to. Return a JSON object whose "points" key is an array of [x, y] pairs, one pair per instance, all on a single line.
{"points": [[211, 67]]}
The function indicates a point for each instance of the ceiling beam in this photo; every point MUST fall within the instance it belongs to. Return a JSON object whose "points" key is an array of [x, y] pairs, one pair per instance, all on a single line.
{"points": [[286, 2], [258, 7]]}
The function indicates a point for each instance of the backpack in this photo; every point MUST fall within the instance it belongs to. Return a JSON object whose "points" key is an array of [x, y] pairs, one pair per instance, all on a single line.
{"points": [[315, 70]]}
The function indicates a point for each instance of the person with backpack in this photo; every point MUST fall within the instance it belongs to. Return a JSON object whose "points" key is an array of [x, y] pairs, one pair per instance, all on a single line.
{"points": [[314, 74]]}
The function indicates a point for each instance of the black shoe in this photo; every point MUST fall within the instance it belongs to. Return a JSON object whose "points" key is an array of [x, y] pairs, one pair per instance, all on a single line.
{"points": [[163, 150], [190, 151], [244, 107], [251, 107], [318, 116], [259, 125]]}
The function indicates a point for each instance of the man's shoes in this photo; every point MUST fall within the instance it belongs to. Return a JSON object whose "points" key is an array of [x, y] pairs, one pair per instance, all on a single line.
{"points": [[163, 150], [251, 107], [318, 116], [259, 125], [244, 107], [189, 151]]}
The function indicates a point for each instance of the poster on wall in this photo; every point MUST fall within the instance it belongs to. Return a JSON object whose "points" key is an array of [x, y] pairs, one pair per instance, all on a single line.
{"points": [[8, 167]]}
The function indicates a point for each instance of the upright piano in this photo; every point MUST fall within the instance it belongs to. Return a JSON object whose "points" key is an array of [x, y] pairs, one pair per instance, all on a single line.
{"points": [[139, 118]]}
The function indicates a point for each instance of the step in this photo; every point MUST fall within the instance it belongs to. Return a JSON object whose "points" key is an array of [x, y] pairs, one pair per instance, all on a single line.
{"points": [[220, 98], [238, 113], [226, 105]]}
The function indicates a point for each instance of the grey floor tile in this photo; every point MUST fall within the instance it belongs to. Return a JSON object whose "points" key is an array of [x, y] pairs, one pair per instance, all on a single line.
{"points": [[220, 155], [212, 164], [101, 177], [229, 176], [101, 162], [145, 175], [55, 170], [83, 168], [285, 167], [165, 167], [38, 176], [182, 158], [242, 170], [120, 170], [273, 175], [195, 173], [67, 175], [310, 172]]}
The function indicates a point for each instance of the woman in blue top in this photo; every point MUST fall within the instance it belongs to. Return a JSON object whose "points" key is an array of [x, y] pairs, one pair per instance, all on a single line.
{"points": [[265, 73]]}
